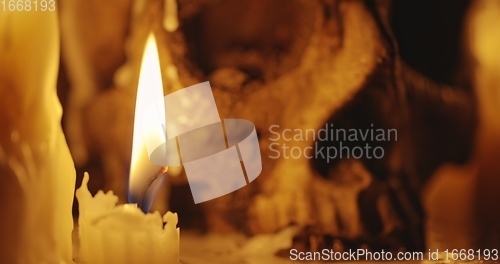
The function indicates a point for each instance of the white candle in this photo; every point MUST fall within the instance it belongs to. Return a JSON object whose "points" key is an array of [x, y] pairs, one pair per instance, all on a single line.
{"points": [[124, 234], [37, 174]]}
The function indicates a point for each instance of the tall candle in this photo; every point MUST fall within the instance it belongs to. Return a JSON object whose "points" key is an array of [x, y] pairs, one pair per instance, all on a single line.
{"points": [[37, 174]]}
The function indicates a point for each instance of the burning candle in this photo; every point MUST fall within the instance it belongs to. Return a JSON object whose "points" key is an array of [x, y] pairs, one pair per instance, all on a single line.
{"points": [[37, 174], [123, 233], [147, 127]]}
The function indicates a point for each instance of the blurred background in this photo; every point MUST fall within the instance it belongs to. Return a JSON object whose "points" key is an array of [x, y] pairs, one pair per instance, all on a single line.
{"points": [[430, 69]]}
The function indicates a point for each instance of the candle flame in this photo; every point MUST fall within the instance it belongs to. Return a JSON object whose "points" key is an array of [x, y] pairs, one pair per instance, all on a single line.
{"points": [[147, 127]]}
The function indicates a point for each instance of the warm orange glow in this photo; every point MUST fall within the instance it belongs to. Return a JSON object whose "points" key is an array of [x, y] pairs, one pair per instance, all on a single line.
{"points": [[149, 91]]}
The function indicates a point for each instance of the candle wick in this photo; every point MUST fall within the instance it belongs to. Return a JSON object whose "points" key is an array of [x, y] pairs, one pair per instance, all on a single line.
{"points": [[149, 183]]}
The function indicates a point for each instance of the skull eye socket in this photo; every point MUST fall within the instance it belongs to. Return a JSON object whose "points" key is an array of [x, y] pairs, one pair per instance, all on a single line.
{"points": [[261, 38]]}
